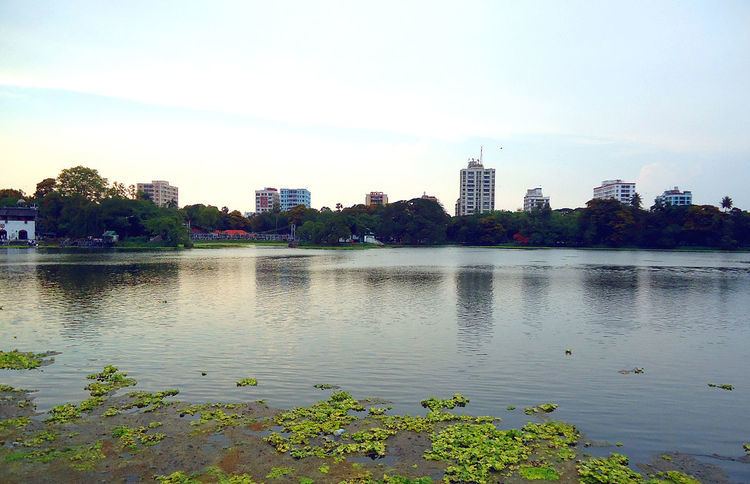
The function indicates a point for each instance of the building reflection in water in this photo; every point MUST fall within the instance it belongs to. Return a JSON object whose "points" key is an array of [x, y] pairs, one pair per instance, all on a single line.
{"points": [[474, 307]]}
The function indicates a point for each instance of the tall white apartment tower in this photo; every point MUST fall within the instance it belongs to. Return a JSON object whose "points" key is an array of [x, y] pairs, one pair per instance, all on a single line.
{"points": [[621, 191], [477, 192], [160, 192]]}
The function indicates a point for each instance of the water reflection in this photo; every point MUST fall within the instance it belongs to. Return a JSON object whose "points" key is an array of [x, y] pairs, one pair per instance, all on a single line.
{"points": [[611, 295], [534, 295], [474, 307]]}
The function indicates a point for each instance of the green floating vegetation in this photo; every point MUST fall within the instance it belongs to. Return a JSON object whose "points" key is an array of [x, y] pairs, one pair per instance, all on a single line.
{"points": [[10, 389], [305, 480], [247, 382], [111, 412], [475, 450], [221, 419], [40, 438], [436, 404], [324, 469], [723, 386], [615, 469], [133, 438], [67, 412], [541, 473], [17, 422], [406, 480], [108, 381], [177, 477], [541, 408], [149, 401], [19, 360], [378, 410], [746, 447], [277, 472], [510, 408], [82, 457], [223, 478]]}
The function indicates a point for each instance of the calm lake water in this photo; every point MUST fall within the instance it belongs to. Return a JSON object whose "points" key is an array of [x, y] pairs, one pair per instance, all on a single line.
{"points": [[403, 324]]}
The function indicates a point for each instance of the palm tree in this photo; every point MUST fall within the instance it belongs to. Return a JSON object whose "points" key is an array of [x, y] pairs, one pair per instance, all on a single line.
{"points": [[726, 203], [636, 202]]}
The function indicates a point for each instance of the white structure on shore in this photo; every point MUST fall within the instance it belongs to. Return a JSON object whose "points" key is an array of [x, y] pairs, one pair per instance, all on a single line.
{"points": [[477, 188], [676, 197], [160, 192], [17, 223], [619, 190], [534, 199]]}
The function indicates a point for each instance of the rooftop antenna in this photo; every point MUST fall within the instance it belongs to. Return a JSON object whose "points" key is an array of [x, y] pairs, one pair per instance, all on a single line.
{"points": [[480, 153]]}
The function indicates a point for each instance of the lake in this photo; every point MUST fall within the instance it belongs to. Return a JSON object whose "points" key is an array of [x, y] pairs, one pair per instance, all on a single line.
{"points": [[404, 324]]}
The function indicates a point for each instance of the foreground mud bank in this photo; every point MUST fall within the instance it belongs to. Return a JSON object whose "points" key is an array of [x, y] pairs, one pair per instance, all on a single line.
{"points": [[150, 436]]}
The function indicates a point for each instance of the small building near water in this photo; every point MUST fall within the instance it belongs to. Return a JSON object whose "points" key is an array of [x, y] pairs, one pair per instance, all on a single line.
{"points": [[18, 223]]}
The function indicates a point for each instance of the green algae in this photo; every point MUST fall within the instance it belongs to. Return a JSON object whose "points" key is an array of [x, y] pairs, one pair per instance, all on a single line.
{"points": [[542, 473], [610, 469], [19, 360], [474, 450], [247, 382], [177, 477], [67, 412], [82, 457], [149, 401], [723, 386], [541, 408], [277, 472], [40, 438], [324, 469], [305, 480], [17, 422], [436, 404], [109, 380], [134, 438]]}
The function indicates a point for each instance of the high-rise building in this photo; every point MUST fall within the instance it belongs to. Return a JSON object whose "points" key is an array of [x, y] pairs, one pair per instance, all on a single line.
{"points": [[376, 198], [619, 190], [291, 197], [676, 197], [477, 189], [534, 199], [266, 200], [160, 192], [430, 198]]}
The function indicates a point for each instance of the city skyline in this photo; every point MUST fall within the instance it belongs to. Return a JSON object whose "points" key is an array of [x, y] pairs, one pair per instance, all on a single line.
{"points": [[222, 99]]}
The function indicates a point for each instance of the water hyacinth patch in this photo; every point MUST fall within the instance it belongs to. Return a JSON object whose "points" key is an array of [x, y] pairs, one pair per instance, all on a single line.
{"points": [[723, 386], [108, 381], [277, 472], [436, 404], [247, 382], [543, 473], [134, 437], [18, 423], [541, 408], [19, 360]]}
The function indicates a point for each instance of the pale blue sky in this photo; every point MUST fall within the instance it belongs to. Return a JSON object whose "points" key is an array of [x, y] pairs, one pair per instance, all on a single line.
{"points": [[221, 98]]}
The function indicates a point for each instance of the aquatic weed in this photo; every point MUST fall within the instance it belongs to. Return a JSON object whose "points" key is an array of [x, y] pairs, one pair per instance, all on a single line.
{"points": [[223, 478], [541, 408], [473, 451], [542, 473], [436, 404], [108, 381], [17, 422], [245, 382], [277, 472], [150, 401], [723, 386], [610, 469], [40, 438], [19, 360], [177, 477], [396, 479], [133, 437], [67, 412]]}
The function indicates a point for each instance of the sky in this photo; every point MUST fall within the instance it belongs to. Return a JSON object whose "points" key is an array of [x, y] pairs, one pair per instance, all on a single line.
{"points": [[346, 97]]}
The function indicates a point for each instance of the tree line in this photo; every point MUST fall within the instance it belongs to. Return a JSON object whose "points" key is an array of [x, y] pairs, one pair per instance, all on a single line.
{"points": [[80, 203]]}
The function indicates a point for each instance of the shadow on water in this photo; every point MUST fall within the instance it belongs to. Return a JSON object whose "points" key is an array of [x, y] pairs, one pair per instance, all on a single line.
{"points": [[474, 307]]}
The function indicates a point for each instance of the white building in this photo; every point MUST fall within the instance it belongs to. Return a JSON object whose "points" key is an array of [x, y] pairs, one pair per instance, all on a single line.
{"points": [[477, 189], [676, 197], [376, 198], [619, 190], [534, 199], [266, 200], [291, 197], [160, 192], [17, 223]]}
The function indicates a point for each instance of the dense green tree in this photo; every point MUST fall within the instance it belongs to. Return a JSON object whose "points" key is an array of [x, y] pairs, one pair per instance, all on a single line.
{"points": [[44, 188], [83, 182]]}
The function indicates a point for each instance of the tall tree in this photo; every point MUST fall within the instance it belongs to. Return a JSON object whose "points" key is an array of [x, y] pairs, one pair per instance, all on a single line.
{"points": [[726, 203], [636, 202], [82, 182], [44, 187]]}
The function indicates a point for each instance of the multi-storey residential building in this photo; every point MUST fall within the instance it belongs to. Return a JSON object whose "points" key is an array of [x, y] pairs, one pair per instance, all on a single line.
{"points": [[477, 189], [676, 197], [291, 197], [266, 200], [376, 198], [160, 192], [619, 190], [534, 199], [430, 198]]}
